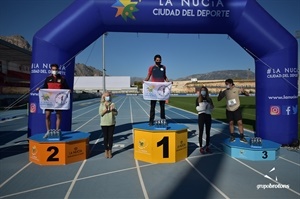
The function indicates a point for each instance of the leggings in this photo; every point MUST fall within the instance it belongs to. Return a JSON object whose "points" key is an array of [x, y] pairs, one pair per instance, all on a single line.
{"points": [[108, 132], [152, 110], [204, 119]]}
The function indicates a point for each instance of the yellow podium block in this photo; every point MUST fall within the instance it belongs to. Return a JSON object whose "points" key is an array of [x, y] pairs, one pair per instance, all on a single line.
{"points": [[73, 147], [160, 146]]}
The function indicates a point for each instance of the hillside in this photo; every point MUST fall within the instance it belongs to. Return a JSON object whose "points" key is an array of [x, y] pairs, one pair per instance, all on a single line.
{"points": [[223, 74], [84, 70]]}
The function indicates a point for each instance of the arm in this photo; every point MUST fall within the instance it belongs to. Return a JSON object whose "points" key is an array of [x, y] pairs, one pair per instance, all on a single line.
{"points": [[242, 90], [113, 109], [45, 85], [166, 78], [148, 74], [200, 106], [102, 110], [211, 103], [65, 84], [147, 78], [221, 95]]}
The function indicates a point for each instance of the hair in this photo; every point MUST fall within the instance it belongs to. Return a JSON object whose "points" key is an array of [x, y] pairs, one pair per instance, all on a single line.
{"points": [[200, 97], [157, 56], [54, 65], [230, 81]]}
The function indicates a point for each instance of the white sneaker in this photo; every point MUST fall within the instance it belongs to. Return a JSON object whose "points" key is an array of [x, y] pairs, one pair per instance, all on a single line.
{"points": [[47, 134]]}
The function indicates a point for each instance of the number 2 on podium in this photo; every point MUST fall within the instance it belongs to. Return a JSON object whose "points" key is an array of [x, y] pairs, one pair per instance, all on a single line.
{"points": [[165, 143]]}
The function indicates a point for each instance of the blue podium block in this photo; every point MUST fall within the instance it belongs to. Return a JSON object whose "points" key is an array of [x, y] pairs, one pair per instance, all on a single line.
{"points": [[269, 150]]}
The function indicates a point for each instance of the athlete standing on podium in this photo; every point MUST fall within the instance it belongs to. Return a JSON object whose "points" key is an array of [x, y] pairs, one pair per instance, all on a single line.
{"points": [[54, 81], [157, 72], [233, 110]]}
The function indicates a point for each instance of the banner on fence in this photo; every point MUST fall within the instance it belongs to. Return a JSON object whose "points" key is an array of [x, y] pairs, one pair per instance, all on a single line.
{"points": [[156, 90], [58, 99]]}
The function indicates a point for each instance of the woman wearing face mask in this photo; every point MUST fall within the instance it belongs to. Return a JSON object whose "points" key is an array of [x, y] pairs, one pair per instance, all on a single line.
{"points": [[108, 112], [204, 106]]}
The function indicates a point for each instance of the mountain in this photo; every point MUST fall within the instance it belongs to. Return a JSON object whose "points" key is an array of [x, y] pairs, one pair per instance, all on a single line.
{"points": [[17, 40], [223, 74], [80, 69], [84, 70]]}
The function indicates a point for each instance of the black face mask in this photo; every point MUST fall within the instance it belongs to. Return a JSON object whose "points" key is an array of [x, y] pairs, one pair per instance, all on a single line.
{"points": [[158, 63]]}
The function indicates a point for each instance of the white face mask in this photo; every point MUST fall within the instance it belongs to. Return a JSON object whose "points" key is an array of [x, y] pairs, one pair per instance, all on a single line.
{"points": [[54, 72], [227, 86], [203, 93], [107, 98]]}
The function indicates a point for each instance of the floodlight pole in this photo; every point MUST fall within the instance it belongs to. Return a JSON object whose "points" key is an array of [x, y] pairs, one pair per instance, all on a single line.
{"points": [[103, 61]]}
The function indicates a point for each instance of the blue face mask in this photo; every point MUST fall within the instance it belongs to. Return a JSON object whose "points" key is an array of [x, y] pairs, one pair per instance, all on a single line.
{"points": [[107, 98], [203, 93]]}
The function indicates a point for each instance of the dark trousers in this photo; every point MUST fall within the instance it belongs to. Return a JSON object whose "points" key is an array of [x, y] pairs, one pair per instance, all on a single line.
{"points": [[108, 133], [152, 110], [204, 119]]}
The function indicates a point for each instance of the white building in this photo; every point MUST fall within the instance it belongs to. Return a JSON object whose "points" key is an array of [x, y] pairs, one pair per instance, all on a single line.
{"points": [[120, 84]]}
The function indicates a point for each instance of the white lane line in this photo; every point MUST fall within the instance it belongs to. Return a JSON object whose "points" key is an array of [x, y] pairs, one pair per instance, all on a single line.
{"points": [[256, 171], [11, 119], [74, 180], [136, 161], [15, 174], [207, 180], [217, 130], [295, 163], [237, 159], [81, 166], [69, 181], [83, 163]]}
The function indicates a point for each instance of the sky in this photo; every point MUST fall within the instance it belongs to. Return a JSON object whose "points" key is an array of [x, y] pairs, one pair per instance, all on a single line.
{"points": [[182, 54]]}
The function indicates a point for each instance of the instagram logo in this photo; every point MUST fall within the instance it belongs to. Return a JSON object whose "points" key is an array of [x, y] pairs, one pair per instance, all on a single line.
{"points": [[275, 110]]}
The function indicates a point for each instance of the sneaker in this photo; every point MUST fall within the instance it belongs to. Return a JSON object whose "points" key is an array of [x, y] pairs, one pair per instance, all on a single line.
{"points": [[232, 138], [58, 133], [243, 139], [207, 150], [47, 134], [151, 123], [202, 150]]}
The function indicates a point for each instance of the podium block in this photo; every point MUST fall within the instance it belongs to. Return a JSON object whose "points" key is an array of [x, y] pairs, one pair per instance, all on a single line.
{"points": [[268, 151], [159, 145], [72, 147]]}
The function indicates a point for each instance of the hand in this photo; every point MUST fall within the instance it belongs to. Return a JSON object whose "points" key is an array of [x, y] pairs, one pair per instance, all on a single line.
{"points": [[112, 107]]}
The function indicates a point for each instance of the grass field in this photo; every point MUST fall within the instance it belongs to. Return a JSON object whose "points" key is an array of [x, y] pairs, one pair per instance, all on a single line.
{"points": [[247, 105]]}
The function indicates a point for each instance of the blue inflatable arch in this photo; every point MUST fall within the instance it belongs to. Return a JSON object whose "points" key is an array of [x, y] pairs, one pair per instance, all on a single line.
{"points": [[245, 21]]}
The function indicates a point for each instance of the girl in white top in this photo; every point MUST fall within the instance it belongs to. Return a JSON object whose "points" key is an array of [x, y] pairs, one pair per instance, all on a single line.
{"points": [[204, 107]]}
